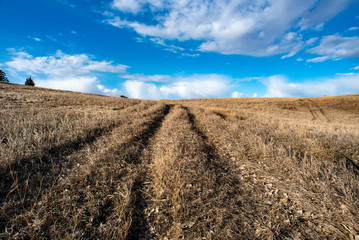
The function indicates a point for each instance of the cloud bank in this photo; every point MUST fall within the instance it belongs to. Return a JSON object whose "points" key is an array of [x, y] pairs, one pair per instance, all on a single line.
{"points": [[254, 28], [79, 72], [195, 86], [280, 86]]}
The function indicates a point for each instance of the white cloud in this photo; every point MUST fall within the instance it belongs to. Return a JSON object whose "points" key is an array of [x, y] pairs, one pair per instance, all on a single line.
{"points": [[356, 68], [190, 54], [35, 38], [167, 47], [61, 64], [345, 74], [279, 86], [63, 71], [336, 46], [300, 59], [237, 94], [78, 84], [133, 6], [318, 27], [195, 86], [353, 29], [318, 59], [248, 79], [255, 28], [311, 41], [107, 91], [143, 90]]}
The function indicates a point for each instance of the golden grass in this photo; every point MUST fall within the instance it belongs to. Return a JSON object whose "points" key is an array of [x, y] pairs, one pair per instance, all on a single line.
{"points": [[85, 166]]}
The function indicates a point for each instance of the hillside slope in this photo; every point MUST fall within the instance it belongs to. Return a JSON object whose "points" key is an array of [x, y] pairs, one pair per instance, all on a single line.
{"points": [[85, 166]]}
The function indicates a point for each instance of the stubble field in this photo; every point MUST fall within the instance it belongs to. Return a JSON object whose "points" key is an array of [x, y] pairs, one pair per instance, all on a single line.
{"points": [[85, 166]]}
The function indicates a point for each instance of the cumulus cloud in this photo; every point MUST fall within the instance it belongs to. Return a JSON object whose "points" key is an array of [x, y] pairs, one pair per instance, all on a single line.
{"points": [[61, 64], [63, 71], [255, 28], [336, 46], [280, 86], [195, 86], [78, 84], [237, 94]]}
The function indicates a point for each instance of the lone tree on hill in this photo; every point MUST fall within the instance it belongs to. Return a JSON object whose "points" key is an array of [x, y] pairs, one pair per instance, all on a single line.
{"points": [[29, 82], [3, 77]]}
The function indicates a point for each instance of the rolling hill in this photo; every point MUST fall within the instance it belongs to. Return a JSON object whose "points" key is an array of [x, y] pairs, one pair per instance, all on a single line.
{"points": [[86, 166]]}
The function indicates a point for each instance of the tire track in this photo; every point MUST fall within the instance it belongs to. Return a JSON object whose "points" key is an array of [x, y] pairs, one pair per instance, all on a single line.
{"points": [[213, 162], [134, 160], [316, 111], [225, 200], [139, 228], [180, 179]]}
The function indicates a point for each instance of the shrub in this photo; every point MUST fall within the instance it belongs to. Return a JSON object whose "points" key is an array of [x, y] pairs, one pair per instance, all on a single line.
{"points": [[29, 82], [3, 77]]}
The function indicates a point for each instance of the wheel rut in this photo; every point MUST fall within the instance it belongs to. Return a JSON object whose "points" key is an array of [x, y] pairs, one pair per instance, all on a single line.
{"points": [[140, 227], [213, 158], [317, 112]]}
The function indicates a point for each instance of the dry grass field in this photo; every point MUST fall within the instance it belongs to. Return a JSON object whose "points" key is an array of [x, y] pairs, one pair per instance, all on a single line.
{"points": [[85, 166]]}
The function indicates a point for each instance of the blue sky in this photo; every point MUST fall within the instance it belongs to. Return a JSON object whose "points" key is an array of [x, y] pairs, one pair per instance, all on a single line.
{"points": [[166, 49]]}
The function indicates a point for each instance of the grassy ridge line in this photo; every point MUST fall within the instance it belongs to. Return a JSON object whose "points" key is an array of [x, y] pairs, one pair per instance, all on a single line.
{"points": [[19, 97], [36, 217], [321, 205], [336, 106]]}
